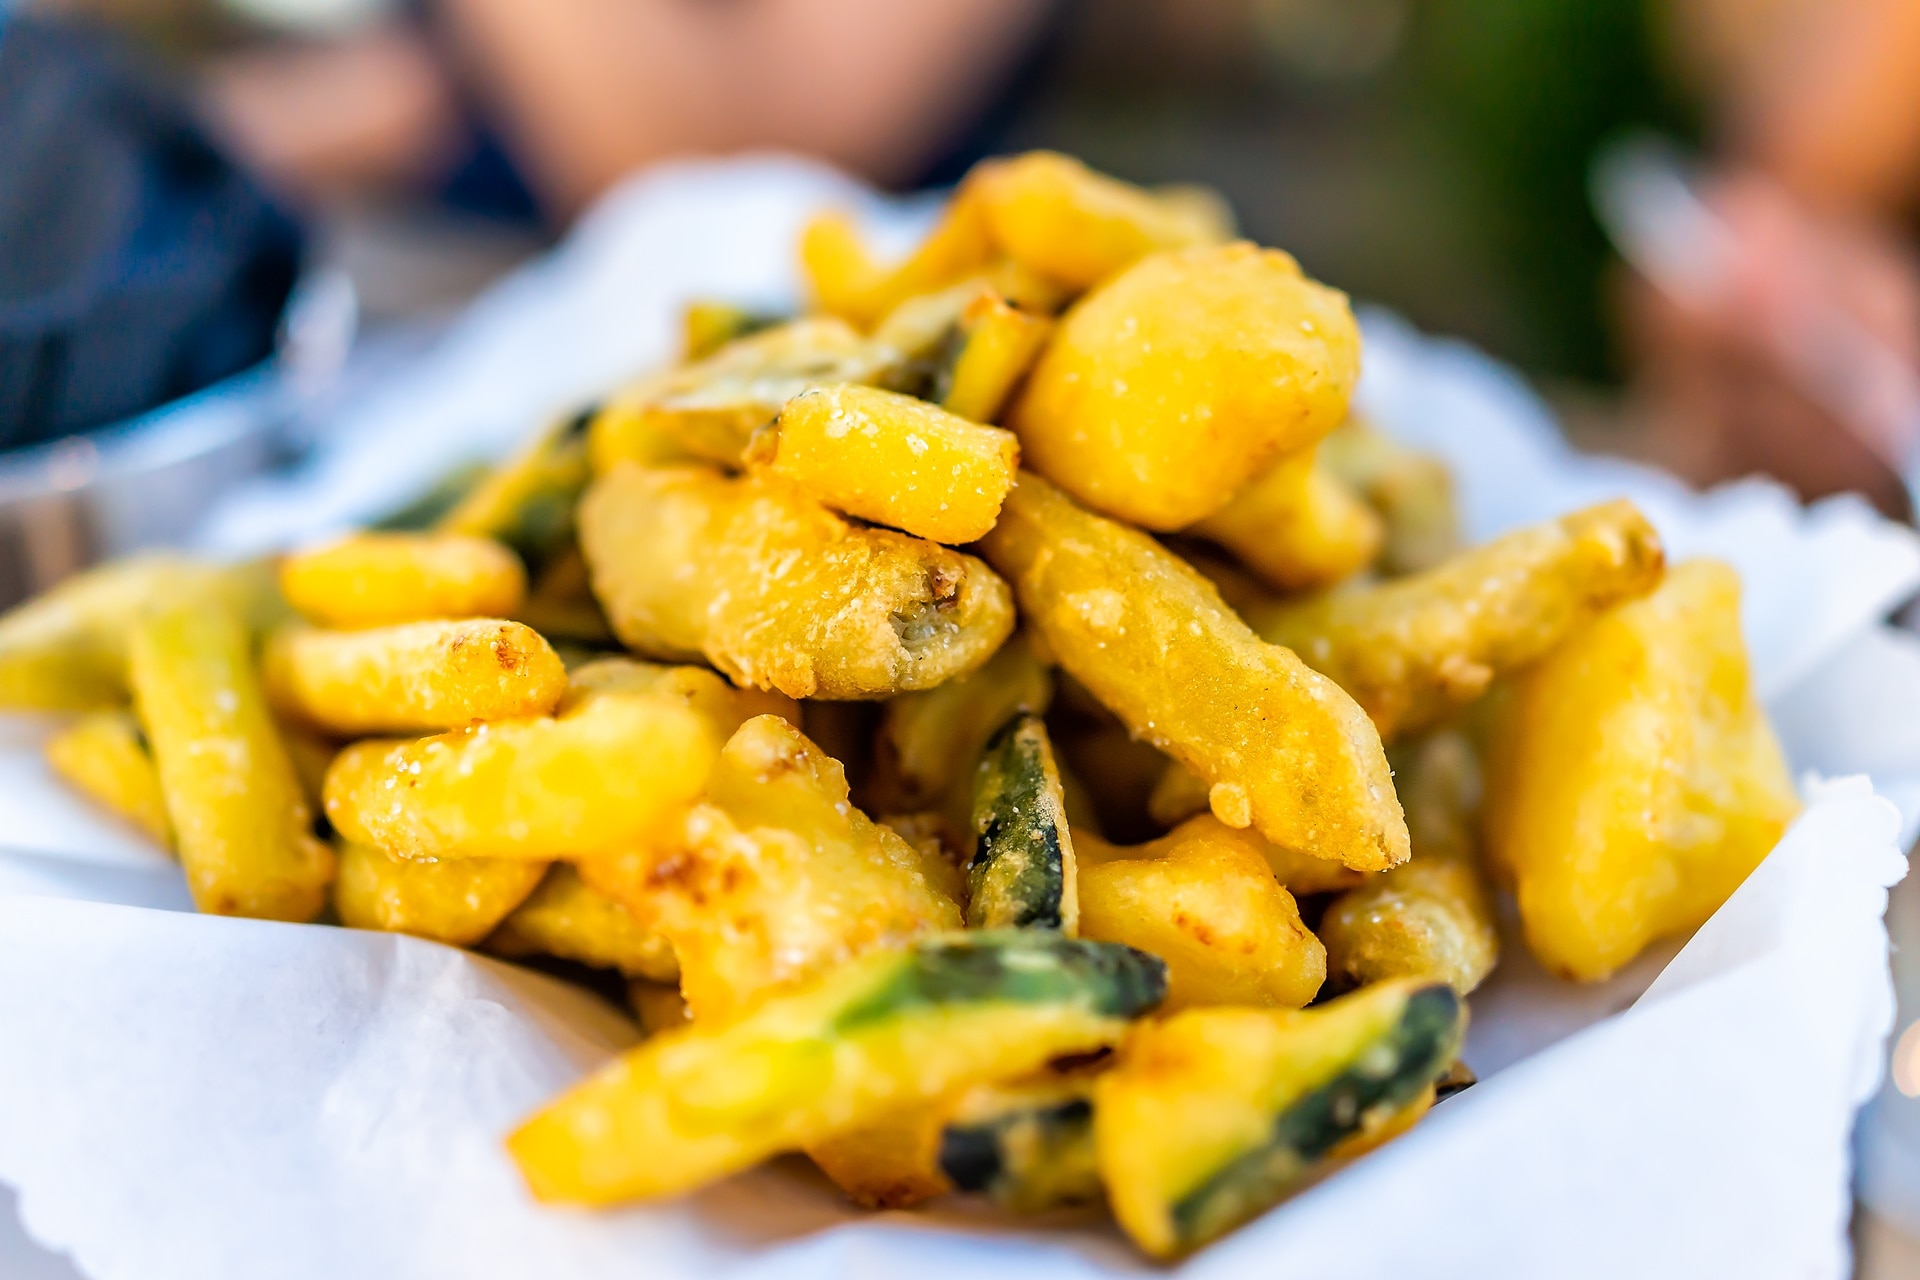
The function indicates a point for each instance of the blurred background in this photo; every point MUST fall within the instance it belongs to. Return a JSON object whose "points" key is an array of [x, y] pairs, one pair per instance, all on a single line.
{"points": [[236, 194]]}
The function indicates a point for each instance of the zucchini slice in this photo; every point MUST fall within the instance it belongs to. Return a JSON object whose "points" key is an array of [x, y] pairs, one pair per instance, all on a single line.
{"points": [[1027, 1146], [528, 501], [890, 1031], [1213, 1115], [1022, 875]]}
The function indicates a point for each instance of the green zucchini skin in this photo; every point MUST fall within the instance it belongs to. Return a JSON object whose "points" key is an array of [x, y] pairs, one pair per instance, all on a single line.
{"points": [[1008, 966], [1031, 1152], [1383, 1075], [1022, 872], [928, 374]]}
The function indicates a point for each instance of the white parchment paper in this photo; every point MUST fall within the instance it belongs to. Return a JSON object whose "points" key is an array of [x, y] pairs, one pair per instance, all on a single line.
{"points": [[203, 1099]]}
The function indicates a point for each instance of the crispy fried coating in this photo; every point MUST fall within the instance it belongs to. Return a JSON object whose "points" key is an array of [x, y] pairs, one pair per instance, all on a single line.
{"points": [[845, 281], [1282, 748], [1297, 526], [412, 678], [104, 757], [778, 591], [1204, 900], [457, 901], [1413, 650], [1632, 778], [891, 459], [1169, 388], [566, 917], [1412, 491], [379, 579], [240, 822], [774, 877]]}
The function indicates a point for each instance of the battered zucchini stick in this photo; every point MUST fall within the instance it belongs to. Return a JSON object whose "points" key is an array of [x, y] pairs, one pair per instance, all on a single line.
{"points": [[1412, 491], [1413, 650], [414, 678], [1022, 875], [527, 502], [457, 901], [891, 459], [1281, 747], [1297, 527], [779, 592], [242, 826], [379, 579], [104, 757], [566, 917]]}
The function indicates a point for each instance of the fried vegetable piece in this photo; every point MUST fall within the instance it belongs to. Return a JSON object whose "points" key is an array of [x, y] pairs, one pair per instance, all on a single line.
{"points": [[1167, 390], [892, 1163], [66, 650], [1180, 801], [566, 917], [1028, 1145], [412, 678], [1633, 781], [963, 348], [379, 579], [929, 743], [1297, 527], [606, 774], [241, 825], [709, 409], [846, 282], [779, 592], [1055, 216], [707, 326], [1204, 900], [1412, 491], [1432, 918], [1022, 875], [657, 1006], [1281, 747], [527, 502], [1413, 650], [891, 459], [1213, 1115], [561, 606], [104, 757], [941, 859], [894, 1030], [775, 877], [457, 901]]}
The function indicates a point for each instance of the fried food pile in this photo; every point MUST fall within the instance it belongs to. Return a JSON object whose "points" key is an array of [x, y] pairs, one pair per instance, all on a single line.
{"points": [[1014, 729]]}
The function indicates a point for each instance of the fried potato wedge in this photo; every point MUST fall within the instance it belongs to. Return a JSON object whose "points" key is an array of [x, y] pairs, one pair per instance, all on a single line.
{"points": [[605, 775], [1213, 1115], [891, 1031], [566, 917], [1633, 780], [1297, 526], [457, 901], [891, 459], [379, 579], [775, 877], [240, 822], [104, 757], [413, 678], [1283, 748], [1413, 650], [1412, 491], [778, 591], [1204, 900], [1167, 390]]}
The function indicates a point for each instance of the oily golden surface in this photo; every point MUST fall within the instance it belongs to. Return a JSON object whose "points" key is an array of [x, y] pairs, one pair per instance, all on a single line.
{"points": [[104, 757], [1168, 389], [378, 579], [66, 650], [566, 917], [1183, 806], [775, 876], [457, 901], [240, 822], [1412, 491], [1205, 902], [778, 591], [1296, 526], [657, 1006], [1055, 216], [893, 460], [417, 677], [1412, 650], [892, 1163], [603, 776], [1281, 747], [846, 282], [1632, 779], [1434, 916], [997, 344]]}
